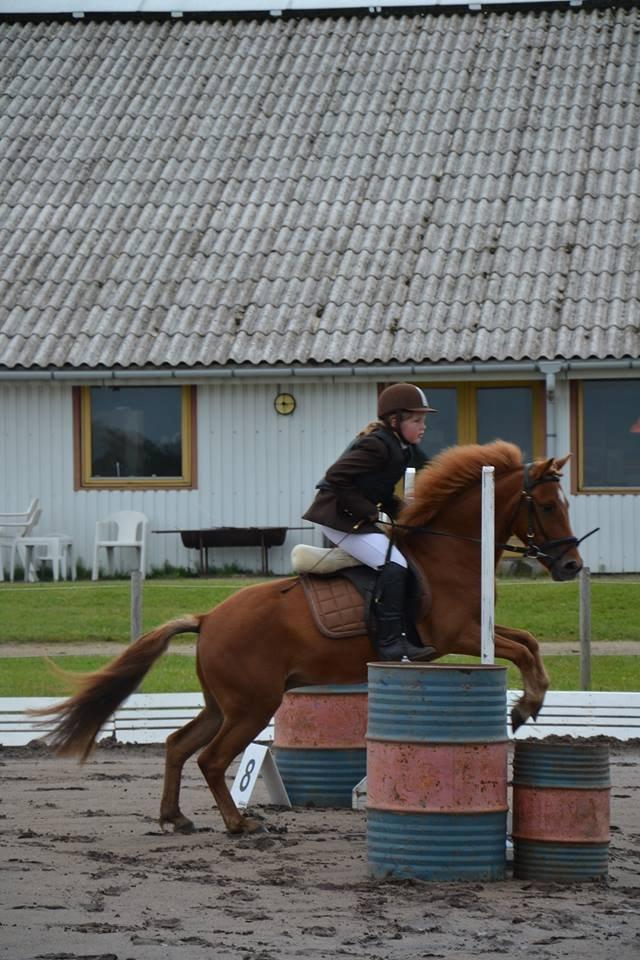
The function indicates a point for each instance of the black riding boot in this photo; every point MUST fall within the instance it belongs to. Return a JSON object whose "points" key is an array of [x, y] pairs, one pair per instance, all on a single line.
{"points": [[391, 638]]}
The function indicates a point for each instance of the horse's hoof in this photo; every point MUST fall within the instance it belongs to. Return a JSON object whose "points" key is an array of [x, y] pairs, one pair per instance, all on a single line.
{"points": [[255, 826], [184, 825], [179, 824], [246, 827], [517, 718]]}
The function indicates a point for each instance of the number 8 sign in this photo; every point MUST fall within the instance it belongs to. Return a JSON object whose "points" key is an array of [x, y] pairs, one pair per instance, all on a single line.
{"points": [[256, 760], [246, 776]]}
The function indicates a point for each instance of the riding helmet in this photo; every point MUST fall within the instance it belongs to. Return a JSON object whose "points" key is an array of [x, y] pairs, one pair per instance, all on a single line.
{"points": [[403, 396]]}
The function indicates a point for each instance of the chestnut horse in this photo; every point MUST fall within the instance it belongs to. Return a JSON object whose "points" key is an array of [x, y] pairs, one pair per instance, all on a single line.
{"points": [[262, 641]]}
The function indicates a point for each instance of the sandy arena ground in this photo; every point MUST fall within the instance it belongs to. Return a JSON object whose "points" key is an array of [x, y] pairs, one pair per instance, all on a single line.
{"points": [[88, 875]]}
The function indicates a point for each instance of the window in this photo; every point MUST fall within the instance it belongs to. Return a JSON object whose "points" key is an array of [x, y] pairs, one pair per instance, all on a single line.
{"points": [[480, 413], [608, 434], [135, 436]]}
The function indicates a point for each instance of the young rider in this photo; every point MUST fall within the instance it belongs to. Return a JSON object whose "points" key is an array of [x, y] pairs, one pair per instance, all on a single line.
{"points": [[357, 487]]}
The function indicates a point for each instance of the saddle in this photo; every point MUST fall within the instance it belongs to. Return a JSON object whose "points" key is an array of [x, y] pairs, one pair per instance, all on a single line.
{"points": [[341, 600]]}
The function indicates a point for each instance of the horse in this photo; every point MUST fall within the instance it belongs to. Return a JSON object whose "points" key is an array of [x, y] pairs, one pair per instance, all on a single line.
{"points": [[262, 641]]}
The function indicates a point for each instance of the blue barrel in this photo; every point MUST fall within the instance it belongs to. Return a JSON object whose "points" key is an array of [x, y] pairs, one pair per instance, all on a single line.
{"points": [[437, 771], [560, 810], [319, 743]]}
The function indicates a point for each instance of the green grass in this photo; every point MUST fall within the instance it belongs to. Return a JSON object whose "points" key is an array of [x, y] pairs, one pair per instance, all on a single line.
{"points": [[88, 612], [550, 610], [607, 672], [33, 677]]}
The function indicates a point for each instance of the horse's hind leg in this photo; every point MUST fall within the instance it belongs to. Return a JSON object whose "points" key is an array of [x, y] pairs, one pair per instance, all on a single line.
{"points": [[237, 731], [179, 747]]}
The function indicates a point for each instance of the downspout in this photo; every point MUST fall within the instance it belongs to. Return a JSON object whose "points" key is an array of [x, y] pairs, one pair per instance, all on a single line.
{"points": [[550, 370]]}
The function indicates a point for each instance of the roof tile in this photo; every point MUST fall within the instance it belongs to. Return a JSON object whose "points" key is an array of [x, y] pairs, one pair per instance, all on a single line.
{"points": [[405, 188]]}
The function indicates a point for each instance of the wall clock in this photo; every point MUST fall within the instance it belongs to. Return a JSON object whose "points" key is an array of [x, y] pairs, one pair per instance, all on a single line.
{"points": [[284, 403]]}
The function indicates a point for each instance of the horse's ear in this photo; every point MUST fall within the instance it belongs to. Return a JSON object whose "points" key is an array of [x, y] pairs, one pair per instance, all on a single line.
{"points": [[559, 464], [541, 467]]}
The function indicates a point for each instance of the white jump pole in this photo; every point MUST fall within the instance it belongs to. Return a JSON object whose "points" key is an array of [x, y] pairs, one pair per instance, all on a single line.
{"points": [[487, 624], [409, 482]]}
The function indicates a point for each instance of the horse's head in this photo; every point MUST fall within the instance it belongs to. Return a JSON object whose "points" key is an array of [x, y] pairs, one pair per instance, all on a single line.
{"points": [[542, 519], [529, 503]]}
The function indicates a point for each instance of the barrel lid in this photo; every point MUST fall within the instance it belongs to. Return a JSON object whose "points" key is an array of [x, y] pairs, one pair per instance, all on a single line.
{"points": [[392, 665], [329, 689]]}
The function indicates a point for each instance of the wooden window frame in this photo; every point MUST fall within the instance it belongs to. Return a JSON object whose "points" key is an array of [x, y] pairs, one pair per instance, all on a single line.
{"points": [[577, 443], [467, 420], [82, 448]]}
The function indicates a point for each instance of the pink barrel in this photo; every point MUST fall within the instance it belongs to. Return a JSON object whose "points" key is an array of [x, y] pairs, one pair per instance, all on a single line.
{"points": [[319, 743], [436, 771], [560, 810]]}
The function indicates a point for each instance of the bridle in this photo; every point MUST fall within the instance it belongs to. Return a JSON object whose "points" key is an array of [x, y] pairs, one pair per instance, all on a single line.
{"points": [[560, 546], [531, 549]]}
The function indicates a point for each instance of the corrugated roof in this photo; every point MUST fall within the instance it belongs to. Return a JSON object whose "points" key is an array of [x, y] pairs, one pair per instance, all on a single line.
{"points": [[352, 189]]}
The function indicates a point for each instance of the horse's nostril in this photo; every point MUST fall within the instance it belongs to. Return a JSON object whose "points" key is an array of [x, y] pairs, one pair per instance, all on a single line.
{"points": [[572, 565]]}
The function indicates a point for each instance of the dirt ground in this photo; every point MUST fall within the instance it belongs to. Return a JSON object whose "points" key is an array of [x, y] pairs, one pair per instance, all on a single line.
{"points": [[87, 874], [613, 648]]}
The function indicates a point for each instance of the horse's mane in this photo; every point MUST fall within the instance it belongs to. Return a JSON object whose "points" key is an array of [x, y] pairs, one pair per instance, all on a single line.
{"points": [[453, 471]]}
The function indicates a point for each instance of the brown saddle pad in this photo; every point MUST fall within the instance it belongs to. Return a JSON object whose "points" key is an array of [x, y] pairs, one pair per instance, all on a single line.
{"points": [[336, 606]]}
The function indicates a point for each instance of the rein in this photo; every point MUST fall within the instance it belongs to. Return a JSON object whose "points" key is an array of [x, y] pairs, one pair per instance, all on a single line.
{"points": [[533, 517]]}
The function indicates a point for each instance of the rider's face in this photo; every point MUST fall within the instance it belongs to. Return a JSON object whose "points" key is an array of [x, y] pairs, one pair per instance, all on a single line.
{"points": [[412, 428]]}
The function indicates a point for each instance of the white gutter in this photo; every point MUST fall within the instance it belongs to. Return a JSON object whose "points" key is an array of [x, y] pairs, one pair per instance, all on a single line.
{"points": [[548, 368]]}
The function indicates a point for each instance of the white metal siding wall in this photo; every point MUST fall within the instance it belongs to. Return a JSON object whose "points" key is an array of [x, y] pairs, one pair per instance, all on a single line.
{"points": [[254, 467], [615, 548], [36, 452], [257, 467]]}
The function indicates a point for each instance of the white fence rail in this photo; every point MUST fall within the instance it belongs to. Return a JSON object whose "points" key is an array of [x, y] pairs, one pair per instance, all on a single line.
{"points": [[581, 713], [150, 718]]}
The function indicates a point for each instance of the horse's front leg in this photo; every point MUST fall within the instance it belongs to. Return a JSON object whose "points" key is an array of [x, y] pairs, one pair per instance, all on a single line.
{"points": [[523, 650], [540, 681], [512, 645]]}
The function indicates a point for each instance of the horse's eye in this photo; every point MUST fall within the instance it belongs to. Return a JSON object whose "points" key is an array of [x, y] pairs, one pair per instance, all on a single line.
{"points": [[548, 507]]}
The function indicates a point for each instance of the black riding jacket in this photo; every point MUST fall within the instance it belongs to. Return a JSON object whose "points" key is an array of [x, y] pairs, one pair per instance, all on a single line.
{"points": [[361, 482]]}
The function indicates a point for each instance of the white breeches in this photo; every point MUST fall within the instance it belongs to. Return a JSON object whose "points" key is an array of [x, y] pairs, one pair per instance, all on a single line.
{"points": [[369, 548]]}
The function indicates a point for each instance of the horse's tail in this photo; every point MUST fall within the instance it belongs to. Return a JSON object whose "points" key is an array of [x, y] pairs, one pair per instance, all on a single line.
{"points": [[99, 694]]}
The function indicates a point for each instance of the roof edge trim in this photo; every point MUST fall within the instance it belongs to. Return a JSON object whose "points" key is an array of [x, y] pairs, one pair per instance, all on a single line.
{"points": [[302, 372]]}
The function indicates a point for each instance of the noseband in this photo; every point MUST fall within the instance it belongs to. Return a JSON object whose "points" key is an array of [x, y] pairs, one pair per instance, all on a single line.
{"points": [[550, 552]]}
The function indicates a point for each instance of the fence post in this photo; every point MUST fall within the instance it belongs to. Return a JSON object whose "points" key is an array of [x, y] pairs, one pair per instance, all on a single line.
{"points": [[136, 605], [585, 629]]}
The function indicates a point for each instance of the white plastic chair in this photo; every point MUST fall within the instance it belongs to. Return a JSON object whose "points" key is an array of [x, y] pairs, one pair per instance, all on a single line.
{"points": [[126, 528], [13, 526]]}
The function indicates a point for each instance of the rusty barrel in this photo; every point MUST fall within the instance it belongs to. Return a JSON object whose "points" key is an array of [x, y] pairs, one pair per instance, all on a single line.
{"points": [[319, 743], [561, 796], [437, 751]]}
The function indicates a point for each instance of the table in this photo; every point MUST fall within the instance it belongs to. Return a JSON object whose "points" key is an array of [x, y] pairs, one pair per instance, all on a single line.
{"points": [[59, 551], [204, 538]]}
